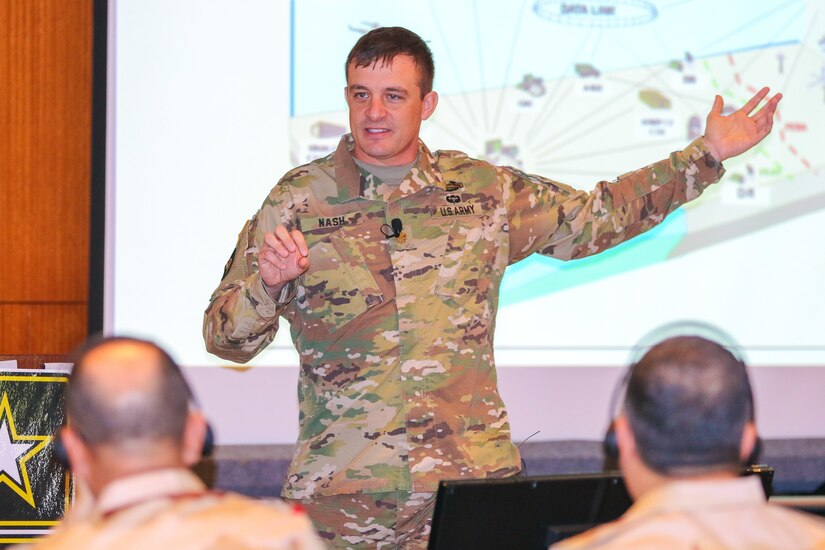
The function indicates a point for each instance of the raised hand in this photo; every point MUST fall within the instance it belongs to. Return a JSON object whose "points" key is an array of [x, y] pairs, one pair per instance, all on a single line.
{"points": [[728, 136], [283, 257]]}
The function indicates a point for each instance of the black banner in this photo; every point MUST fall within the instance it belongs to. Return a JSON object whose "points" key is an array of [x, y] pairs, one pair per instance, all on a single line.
{"points": [[35, 490]]}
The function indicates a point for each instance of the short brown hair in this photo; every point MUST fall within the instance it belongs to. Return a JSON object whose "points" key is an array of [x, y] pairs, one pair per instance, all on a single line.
{"points": [[385, 43]]}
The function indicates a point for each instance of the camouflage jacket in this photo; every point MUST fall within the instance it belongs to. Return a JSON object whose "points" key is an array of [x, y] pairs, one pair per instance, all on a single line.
{"points": [[397, 383]]}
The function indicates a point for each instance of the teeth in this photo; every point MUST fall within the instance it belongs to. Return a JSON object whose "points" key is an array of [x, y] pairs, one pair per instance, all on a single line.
{"points": [[376, 130]]}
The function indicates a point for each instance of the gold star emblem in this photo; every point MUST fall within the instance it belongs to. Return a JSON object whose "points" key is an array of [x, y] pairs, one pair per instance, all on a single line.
{"points": [[15, 451]]}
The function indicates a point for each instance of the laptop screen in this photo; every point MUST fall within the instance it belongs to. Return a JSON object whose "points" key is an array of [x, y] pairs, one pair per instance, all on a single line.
{"points": [[530, 512]]}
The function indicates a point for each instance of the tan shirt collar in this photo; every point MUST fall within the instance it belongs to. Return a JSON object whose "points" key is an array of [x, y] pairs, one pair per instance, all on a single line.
{"points": [[139, 488], [685, 496]]}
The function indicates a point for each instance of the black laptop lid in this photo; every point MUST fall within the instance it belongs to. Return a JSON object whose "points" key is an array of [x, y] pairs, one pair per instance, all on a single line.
{"points": [[523, 513], [531, 512]]}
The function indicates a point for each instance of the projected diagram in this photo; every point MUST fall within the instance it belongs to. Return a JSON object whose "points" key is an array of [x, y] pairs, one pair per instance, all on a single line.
{"points": [[583, 91]]}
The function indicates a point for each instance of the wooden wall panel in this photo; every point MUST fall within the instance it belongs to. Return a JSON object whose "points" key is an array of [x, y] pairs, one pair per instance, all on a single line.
{"points": [[45, 143], [37, 329]]}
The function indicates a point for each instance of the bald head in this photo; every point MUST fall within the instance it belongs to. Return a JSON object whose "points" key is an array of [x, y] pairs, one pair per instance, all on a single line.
{"points": [[124, 390]]}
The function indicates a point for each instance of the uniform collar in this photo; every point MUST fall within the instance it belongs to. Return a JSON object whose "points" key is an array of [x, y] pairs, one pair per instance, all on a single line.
{"points": [[139, 488], [353, 184], [700, 495]]}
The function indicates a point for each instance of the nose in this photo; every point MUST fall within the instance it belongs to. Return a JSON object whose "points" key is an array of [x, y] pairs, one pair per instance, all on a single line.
{"points": [[376, 110]]}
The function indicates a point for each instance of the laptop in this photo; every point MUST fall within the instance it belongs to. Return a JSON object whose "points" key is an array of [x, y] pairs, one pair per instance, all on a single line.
{"points": [[531, 512]]}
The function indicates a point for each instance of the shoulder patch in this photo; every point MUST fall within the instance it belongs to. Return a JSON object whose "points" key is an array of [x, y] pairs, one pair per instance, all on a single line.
{"points": [[228, 265]]}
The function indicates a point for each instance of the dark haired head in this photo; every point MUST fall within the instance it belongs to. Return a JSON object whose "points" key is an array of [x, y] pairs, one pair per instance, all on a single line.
{"points": [[687, 402], [383, 44], [113, 411]]}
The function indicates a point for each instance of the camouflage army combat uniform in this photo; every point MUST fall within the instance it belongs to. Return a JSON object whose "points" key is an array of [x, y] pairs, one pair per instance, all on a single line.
{"points": [[397, 385]]}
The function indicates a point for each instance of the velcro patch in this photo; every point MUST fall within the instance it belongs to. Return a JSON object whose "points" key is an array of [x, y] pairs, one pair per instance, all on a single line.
{"points": [[321, 222], [460, 209]]}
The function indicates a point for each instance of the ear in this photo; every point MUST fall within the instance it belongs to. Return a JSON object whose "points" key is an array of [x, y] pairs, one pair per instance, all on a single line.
{"points": [[194, 433], [79, 454], [624, 439], [430, 102], [748, 441]]}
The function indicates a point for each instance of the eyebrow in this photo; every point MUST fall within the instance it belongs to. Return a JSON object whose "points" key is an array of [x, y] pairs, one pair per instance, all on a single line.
{"points": [[397, 89]]}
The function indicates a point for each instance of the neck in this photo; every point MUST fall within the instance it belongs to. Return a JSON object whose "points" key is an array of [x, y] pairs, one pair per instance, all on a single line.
{"points": [[114, 462], [640, 479]]}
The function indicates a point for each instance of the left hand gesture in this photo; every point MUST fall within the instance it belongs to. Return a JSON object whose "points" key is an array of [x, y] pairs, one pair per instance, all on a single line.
{"points": [[728, 136]]}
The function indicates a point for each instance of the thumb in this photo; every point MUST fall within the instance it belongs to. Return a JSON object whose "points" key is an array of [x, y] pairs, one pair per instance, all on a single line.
{"points": [[718, 103]]}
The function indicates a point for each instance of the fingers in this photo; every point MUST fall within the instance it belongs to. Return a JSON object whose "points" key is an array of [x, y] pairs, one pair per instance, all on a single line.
{"points": [[272, 242], [285, 268], [755, 100], [268, 255], [769, 108], [764, 117], [285, 238], [285, 242], [300, 242], [283, 256]]}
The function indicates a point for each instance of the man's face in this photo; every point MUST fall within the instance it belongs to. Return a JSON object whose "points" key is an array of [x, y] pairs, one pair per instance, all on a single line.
{"points": [[386, 110]]}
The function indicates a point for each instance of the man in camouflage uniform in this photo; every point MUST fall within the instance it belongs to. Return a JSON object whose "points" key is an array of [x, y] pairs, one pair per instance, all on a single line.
{"points": [[386, 259]]}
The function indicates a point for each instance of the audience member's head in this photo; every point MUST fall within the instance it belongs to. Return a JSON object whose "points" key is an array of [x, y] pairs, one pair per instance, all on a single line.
{"points": [[687, 412], [129, 410]]}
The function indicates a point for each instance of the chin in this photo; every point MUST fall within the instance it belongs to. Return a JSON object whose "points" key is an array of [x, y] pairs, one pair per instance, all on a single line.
{"points": [[378, 156]]}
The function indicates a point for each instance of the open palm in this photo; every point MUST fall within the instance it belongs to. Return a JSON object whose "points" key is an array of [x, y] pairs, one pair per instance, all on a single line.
{"points": [[731, 135]]}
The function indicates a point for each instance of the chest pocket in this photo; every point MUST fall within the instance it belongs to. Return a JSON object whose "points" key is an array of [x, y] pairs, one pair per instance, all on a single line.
{"points": [[472, 264], [338, 286]]}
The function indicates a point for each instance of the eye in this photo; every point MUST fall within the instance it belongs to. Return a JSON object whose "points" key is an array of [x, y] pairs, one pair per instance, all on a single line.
{"points": [[395, 97], [359, 95]]}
